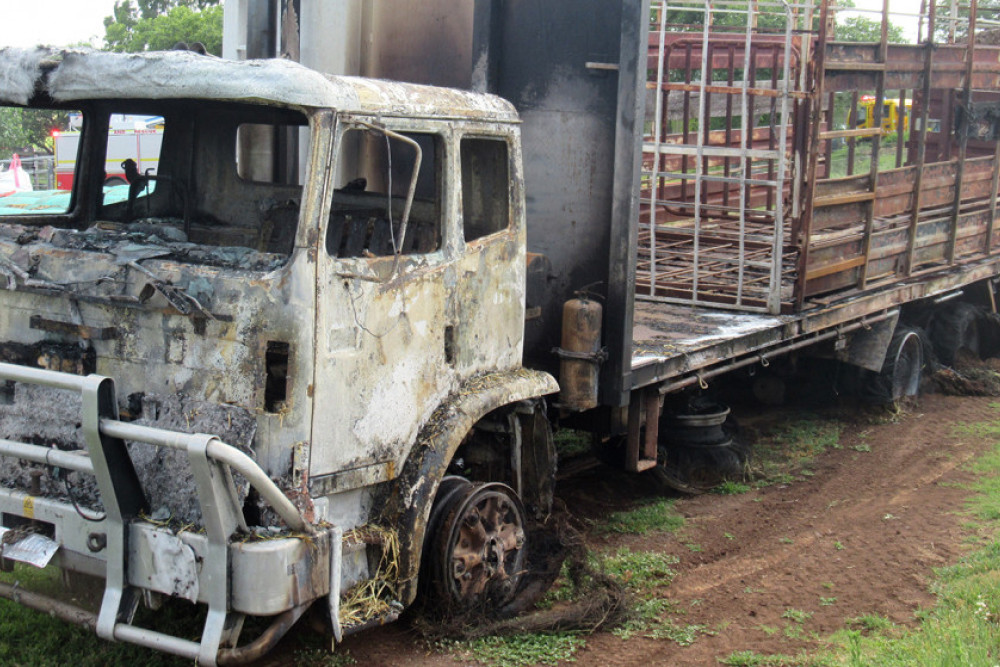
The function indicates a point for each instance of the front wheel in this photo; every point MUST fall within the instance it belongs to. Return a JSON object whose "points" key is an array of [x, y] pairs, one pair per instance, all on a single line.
{"points": [[475, 552]]}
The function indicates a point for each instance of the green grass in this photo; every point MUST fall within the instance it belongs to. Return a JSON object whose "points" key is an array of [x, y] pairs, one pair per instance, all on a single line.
{"points": [[869, 623], [639, 570], [32, 639], [658, 516], [862, 157], [797, 615], [520, 650], [731, 488], [786, 454], [570, 443], [753, 659]]}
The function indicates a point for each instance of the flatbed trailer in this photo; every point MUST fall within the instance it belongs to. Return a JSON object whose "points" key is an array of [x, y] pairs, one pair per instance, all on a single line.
{"points": [[710, 248]]}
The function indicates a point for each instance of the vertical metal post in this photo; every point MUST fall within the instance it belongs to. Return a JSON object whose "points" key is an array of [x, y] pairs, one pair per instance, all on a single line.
{"points": [[658, 131], [706, 72], [911, 239], [774, 297], [219, 509], [746, 165], [873, 167], [902, 120], [620, 310], [963, 132], [121, 495], [815, 121]]}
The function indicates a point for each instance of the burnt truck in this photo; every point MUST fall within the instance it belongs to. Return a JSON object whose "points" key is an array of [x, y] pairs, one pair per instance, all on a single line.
{"points": [[313, 362]]}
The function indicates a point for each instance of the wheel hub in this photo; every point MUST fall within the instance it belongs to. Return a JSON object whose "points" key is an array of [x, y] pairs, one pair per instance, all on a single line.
{"points": [[480, 542]]}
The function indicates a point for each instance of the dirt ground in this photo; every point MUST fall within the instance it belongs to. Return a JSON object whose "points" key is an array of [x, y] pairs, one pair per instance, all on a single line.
{"points": [[861, 535]]}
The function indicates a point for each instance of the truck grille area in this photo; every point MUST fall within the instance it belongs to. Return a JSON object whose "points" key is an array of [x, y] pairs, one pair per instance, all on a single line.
{"points": [[50, 418]]}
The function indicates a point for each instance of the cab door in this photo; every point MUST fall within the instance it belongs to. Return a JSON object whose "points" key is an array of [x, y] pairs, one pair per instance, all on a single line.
{"points": [[383, 327]]}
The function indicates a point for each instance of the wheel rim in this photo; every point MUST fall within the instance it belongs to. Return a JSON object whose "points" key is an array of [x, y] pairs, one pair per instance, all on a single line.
{"points": [[481, 540], [907, 366]]}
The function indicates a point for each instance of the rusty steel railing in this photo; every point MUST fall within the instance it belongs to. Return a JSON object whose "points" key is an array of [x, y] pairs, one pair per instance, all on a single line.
{"points": [[716, 167]]}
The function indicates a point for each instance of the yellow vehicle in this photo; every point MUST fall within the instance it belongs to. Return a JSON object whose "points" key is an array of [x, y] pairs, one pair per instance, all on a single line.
{"points": [[890, 114]]}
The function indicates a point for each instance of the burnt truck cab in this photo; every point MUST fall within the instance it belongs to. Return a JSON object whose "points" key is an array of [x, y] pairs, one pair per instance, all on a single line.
{"points": [[325, 276]]}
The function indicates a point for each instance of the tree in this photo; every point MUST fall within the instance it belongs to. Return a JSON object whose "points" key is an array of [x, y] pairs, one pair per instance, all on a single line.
{"points": [[864, 29], [28, 130], [988, 10], [152, 25]]}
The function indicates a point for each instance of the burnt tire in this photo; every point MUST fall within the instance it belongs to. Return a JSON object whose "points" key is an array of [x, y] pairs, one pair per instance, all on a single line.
{"points": [[902, 369], [955, 330], [699, 450], [699, 469], [475, 550]]}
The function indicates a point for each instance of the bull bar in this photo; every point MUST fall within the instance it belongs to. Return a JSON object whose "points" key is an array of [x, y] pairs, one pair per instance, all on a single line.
{"points": [[278, 577]]}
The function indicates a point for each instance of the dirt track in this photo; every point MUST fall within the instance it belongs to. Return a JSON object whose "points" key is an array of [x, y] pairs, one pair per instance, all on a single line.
{"points": [[866, 530]]}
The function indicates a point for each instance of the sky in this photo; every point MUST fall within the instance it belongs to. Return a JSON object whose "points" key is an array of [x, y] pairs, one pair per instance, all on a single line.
{"points": [[60, 22], [54, 22]]}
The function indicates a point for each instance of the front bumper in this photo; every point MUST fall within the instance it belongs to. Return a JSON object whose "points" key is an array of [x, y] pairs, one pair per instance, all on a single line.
{"points": [[221, 565]]}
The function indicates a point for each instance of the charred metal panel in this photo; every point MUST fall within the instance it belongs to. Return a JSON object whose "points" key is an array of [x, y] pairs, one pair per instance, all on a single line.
{"points": [[403, 342], [570, 114], [419, 41]]}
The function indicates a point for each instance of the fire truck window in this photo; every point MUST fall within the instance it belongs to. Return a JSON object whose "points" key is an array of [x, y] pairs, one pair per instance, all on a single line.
{"points": [[485, 187], [38, 151], [374, 174]]}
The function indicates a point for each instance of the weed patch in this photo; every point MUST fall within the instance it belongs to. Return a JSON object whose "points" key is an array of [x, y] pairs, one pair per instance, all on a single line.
{"points": [[731, 488], [570, 443], [659, 516], [786, 453], [518, 650], [640, 571], [797, 615]]}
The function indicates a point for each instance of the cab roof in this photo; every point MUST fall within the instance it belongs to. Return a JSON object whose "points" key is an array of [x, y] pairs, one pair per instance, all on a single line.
{"points": [[69, 75]]}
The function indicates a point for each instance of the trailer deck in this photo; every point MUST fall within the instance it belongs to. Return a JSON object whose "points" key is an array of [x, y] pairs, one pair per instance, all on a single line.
{"points": [[677, 346]]}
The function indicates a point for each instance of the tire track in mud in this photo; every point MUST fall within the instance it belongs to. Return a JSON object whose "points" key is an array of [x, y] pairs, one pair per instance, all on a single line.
{"points": [[865, 531]]}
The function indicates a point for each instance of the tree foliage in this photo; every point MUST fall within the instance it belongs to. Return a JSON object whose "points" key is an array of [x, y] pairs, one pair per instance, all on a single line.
{"points": [[28, 130], [864, 29], [988, 10], [153, 25]]}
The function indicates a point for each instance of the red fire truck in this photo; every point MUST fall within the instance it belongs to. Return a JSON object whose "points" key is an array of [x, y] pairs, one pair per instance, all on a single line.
{"points": [[129, 137]]}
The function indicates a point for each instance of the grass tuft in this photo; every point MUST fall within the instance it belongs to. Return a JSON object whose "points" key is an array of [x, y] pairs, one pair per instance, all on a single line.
{"points": [[519, 650], [659, 516]]}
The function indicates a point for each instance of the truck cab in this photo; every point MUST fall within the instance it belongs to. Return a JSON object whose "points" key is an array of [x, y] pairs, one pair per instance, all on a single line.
{"points": [[325, 274]]}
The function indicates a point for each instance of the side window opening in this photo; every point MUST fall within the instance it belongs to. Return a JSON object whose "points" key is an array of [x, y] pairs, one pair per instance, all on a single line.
{"points": [[485, 187], [268, 153], [38, 154], [375, 172], [131, 161]]}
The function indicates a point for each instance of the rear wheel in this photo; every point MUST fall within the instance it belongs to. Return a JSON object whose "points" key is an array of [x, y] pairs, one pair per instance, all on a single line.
{"points": [[902, 370], [954, 331], [476, 547], [905, 364]]}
